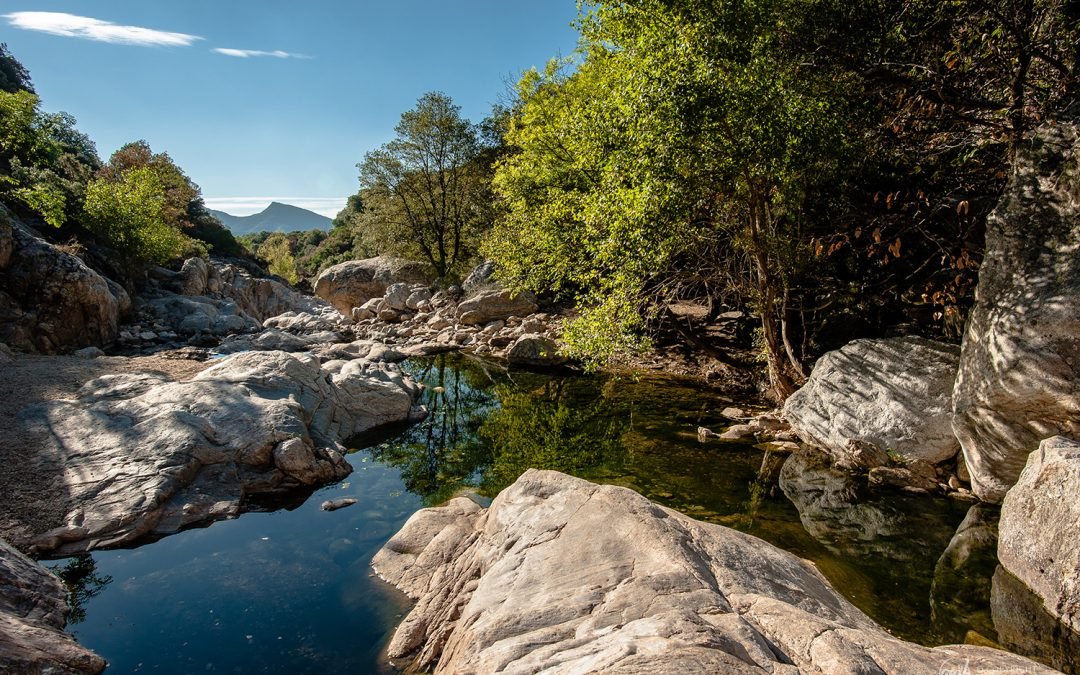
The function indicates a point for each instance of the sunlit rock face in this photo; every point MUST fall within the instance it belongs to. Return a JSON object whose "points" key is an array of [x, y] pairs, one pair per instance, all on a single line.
{"points": [[144, 455], [1019, 379], [895, 394], [1039, 539], [32, 615], [351, 284], [566, 576]]}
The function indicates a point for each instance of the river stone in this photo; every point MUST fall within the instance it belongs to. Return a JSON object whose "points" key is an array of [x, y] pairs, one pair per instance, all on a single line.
{"points": [[50, 300], [1039, 541], [481, 278], [894, 393], [1019, 379], [261, 298], [33, 610], [397, 295], [1023, 625], [538, 351], [565, 576], [488, 306], [143, 455], [351, 284], [193, 277]]}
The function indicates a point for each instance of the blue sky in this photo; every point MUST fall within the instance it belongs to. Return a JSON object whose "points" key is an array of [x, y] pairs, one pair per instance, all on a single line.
{"points": [[301, 90]]}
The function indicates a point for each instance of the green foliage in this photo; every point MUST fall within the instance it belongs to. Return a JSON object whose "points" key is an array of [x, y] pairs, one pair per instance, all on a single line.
{"points": [[45, 162], [679, 126], [426, 191], [276, 251], [13, 75], [130, 215]]}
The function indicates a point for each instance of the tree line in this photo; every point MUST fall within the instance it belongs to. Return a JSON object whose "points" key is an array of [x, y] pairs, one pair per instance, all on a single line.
{"points": [[139, 207], [827, 165]]}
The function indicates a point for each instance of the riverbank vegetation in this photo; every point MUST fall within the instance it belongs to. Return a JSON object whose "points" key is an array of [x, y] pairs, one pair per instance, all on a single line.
{"points": [[137, 209], [828, 166], [825, 167]]}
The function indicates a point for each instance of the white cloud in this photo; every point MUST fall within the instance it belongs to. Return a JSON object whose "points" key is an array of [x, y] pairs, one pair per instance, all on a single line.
{"points": [[245, 206], [72, 25], [245, 53]]}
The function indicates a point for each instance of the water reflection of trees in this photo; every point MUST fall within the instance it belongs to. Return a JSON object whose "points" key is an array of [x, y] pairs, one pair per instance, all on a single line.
{"points": [[562, 425], [444, 453], [83, 582], [485, 427]]}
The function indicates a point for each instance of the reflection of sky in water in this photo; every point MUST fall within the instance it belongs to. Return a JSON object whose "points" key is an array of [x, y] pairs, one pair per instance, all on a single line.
{"points": [[291, 591], [288, 591]]}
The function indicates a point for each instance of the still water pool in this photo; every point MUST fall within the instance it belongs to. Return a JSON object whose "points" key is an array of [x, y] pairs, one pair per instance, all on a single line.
{"points": [[290, 591]]}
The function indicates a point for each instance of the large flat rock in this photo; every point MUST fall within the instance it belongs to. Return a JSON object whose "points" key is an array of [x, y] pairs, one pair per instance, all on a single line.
{"points": [[142, 454], [565, 576]]}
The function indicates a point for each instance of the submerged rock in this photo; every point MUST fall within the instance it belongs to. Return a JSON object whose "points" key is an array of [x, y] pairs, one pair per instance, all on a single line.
{"points": [[145, 455], [895, 394], [566, 576], [32, 615], [1039, 541], [1019, 379]]}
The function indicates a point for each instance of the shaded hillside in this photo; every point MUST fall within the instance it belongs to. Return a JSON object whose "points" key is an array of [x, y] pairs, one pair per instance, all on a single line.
{"points": [[277, 217]]}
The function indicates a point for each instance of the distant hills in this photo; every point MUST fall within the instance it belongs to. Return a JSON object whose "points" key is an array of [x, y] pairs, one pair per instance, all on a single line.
{"points": [[277, 217]]}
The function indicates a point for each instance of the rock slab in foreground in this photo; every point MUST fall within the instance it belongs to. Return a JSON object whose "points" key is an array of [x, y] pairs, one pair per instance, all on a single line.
{"points": [[1019, 379], [1038, 537], [32, 615], [895, 394], [145, 455], [566, 576]]}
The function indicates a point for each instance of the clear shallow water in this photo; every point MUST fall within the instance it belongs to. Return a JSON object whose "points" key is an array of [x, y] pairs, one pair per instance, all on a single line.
{"points": [[290, 591]]}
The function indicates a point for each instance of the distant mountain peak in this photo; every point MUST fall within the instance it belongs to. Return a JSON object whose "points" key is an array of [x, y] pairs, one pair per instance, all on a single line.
{"points": [[276, 217]]}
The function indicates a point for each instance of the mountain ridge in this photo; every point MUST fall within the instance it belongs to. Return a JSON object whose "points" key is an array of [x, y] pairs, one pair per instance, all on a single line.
{"points": [[277, 217]]}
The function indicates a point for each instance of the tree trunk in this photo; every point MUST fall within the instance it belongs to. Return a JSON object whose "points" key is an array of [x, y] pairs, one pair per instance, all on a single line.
{"points": [[780, 384]]}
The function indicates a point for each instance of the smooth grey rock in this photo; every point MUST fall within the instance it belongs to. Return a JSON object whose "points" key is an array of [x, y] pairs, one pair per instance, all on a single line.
{"points": [[418, 298], [1039, 533], [33, 610], [396, 296], [193, 277], [538, 351], [894, 393], [565, 576], [1019, 379], [1024, 626], [335, 504], [142, 454], [351, 284], [88, 353], [488, 306], [50, 301], [261, 299]]}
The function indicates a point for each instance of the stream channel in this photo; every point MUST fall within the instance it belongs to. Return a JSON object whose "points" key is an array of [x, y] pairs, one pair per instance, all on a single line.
{"points": [[287, 588]]}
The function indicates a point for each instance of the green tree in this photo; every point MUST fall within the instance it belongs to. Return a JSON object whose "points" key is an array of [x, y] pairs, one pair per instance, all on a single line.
{"points": [[13, 75], [129, 214], [427, 186], [682, 129], [182, 202], [277, 252]]}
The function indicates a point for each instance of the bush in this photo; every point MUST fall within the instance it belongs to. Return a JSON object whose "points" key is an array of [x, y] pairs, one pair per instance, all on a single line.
{"points": [[127, 214]]}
